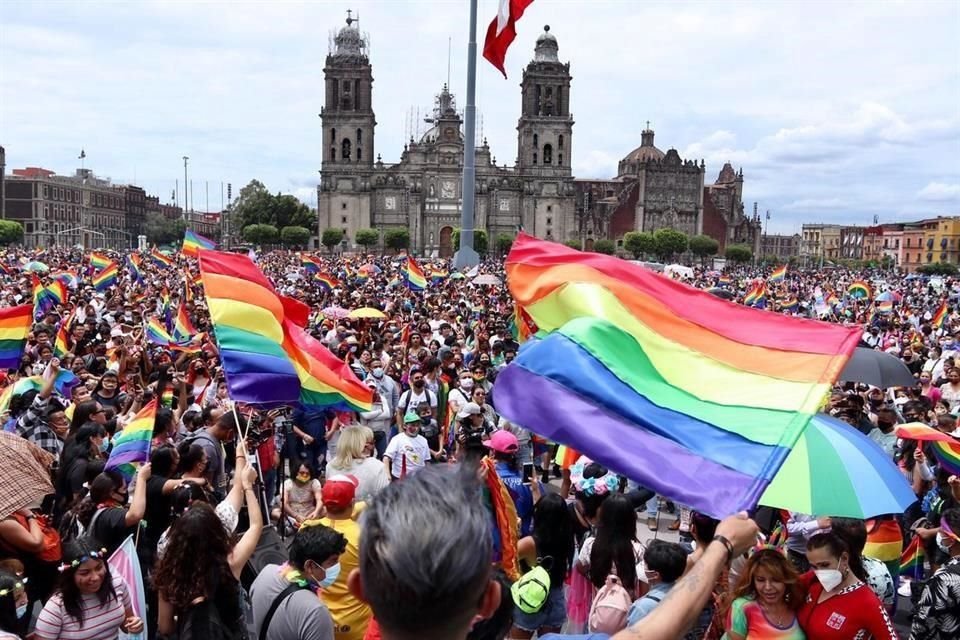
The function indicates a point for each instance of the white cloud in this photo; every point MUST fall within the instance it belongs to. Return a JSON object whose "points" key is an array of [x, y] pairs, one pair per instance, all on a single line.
{"points": [[940, 192]]}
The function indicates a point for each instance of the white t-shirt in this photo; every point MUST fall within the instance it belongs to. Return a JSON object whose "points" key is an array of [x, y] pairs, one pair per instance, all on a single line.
{"points": [[410, 400], [415, 451]]}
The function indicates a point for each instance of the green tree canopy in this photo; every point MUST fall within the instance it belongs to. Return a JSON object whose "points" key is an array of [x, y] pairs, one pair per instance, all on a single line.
{"points": [[504, 242], [367, 238], [738, 253], [703, 246], [638, 243], [331, 237], [480, 242], [11, 232], [669, 242], [605, 246], [938, 269], [574, 244], [162, 230], [294, 236], [256, 205], [397, 239], [260, 234]]}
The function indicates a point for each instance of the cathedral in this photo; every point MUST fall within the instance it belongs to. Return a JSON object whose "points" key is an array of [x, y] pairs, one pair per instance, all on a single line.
{"points": [[421, 193]]}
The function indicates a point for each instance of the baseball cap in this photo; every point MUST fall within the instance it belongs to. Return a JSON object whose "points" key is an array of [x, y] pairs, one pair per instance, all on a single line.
{"points": [[339, 491], [503, 442], [469, 409], [410, 418]]}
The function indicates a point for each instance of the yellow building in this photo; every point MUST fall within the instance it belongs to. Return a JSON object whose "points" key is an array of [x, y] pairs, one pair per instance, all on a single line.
{"points": [[941, 240]]}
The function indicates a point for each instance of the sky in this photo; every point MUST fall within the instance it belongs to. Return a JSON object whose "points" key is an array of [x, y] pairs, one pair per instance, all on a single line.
{"points": [[836, 111]]}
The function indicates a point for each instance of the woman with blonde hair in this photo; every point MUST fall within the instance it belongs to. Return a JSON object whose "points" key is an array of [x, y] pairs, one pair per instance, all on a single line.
{"points": [[766, 600], [353, 458]]}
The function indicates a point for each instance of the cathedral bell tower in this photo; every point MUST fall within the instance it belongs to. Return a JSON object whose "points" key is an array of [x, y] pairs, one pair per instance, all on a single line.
{"points": [[347, 116], [545, 129]]}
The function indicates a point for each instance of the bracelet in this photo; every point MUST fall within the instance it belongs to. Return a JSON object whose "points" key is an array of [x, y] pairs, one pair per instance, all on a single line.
{"points": [[726, 543]]}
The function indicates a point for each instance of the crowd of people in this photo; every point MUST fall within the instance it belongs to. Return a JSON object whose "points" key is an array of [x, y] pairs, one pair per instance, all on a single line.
{"points": [[388, 518]]}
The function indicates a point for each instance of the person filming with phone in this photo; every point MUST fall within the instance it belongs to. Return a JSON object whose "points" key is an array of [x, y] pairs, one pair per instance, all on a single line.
{"points": [[525, 492]]}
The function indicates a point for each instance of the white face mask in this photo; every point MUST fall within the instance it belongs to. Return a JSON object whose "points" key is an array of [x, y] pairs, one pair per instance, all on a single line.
{"points": [[830, 579], [466, 383], [942, 543]]}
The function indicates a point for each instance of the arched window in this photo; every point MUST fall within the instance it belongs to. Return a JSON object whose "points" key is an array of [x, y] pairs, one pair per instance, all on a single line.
{"points": [[560, 142], [536, 140], [345, 149], [333, 135], [333, 153], [534, 157], [560, 159], [359, 138], [547, 154]]}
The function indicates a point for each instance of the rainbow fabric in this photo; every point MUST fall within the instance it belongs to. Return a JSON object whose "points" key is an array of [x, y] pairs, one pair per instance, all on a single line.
{"points": [[725, 281], [106, 278], [885, 306], [15, 323], [47, 297], [911, 562], [413, 275], [860, 290], [832, 299], [63, 385], [183, 329], [134, 265], [160, 259], [158, 334], [939, 316], [68, 278], [790, 304], [522, 327], [194, 242], [267, 356], [99, 261], [948, 456], [438, 275], [166, 308], [131, 447], [618, 375], [884, 540], [946, 448], [326, 281], [311, 264], [61, 345], [778, 275]]}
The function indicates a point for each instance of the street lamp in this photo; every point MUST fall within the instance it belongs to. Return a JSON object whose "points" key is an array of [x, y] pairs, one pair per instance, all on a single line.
{"points": [[121, 231]]}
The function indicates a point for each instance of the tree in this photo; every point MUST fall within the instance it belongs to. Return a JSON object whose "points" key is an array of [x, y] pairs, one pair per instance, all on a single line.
{"points": [[294, 236], [366, 238], [669, 242], [574, 244], [703, 246], [256, 205], [605, 246], [331, 237], [162, 230], [10, 232], [480, 243], [504, 242], [260, 234], [638, 243], [397, 239], [738, 253], [938, 269]]}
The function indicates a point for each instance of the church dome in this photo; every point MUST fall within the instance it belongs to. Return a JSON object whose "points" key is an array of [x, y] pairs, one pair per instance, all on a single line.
{"points": [[644, 154], [547, 49], [349, 43]]}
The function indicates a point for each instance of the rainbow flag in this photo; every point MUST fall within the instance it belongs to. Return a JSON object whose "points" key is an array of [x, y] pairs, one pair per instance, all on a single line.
{"points": [[438, 275], [778, 275], [884, 540], [183, 329], [193, 242], [68, 278], [871, 315], [188, 283], [47, 297], [15, 323], [859, 290], [166, 308], [134, 265], [268, 357], [395, 282], [911, 562], [311, 264], [885, 306], [413, 275], [106, 278], [940, 315], [946, 448], [757, 296], [326, 281], [947, 455], [522, 327], [725, 281], [131, 447], [99, 261], [832, 299], [791, 304], [64, 384], [157, 333], [623, 349], [160, 258], [61, 346]]}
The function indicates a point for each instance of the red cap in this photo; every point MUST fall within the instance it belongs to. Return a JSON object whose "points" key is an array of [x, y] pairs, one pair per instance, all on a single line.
{"points": [[339, 491]]}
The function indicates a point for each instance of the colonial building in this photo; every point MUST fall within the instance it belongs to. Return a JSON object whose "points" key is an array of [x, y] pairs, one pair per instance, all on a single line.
{"points": [[724, 219], [780, 246]]}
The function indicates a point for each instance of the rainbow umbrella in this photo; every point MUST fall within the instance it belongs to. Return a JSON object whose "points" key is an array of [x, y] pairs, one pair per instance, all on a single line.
{"points": [[34, 266], [335, 313], [834, 470]]}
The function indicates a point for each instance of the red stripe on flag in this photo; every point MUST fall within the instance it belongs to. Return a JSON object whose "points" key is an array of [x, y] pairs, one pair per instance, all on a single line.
{"points": [[502, 32]]}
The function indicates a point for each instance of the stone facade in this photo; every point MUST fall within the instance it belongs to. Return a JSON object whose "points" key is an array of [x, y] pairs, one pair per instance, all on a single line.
{"points": [[422, 192]]}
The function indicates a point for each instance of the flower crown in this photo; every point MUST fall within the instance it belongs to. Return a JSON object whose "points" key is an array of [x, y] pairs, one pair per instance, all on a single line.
{"points": [[16, 587], [607, 483], [97, 555]]}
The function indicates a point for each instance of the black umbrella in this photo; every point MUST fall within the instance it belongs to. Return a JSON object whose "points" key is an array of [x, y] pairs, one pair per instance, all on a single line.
{"points": [[877, 368], [723, 294]]}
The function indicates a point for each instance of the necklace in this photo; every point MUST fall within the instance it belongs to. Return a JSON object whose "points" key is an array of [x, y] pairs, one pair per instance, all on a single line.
{"points": [[775, 619]]}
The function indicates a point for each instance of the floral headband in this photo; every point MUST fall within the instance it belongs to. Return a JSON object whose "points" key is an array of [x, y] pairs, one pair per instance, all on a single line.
{"points": [[17, 586], [605, 484], [95, 555]]}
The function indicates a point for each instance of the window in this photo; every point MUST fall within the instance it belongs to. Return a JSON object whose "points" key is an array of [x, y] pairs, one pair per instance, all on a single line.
{"points": [[345, 150], [534, 157], [549, 220], [359, 139], [560, 159], [549, 208], [346, 86], [333, 135], [46, 191], [69, 196], [560, 142], [359, 151], [536, 141], [343, 205], [343, 219], [333, 153], [547, 154]]}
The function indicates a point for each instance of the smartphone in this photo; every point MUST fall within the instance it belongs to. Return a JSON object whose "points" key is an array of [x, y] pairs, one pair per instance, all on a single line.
{"points": [[527, 472]]}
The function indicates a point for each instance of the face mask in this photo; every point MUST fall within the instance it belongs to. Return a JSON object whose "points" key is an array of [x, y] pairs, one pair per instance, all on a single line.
{"points": [[418, 384], [104, 446], [377, 372], [332, 574], [466, 383], [21, 611], [303, 478], [942, 543], [830, 579]]}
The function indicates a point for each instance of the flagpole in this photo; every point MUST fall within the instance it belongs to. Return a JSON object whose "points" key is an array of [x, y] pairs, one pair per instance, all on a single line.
{"points": [[466, 256]]}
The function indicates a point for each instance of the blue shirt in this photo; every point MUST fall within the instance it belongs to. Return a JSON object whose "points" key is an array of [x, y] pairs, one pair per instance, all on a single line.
{"points": [[521, 494], [645, 605], [313, 422]]}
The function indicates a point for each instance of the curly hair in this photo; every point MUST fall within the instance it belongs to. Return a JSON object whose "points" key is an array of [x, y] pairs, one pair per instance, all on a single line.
{"points": [[779, 568], [183, 575]]}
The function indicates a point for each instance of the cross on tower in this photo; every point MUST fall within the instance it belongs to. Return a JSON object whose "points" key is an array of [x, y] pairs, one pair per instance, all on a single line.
{"points": [[349, 16]]}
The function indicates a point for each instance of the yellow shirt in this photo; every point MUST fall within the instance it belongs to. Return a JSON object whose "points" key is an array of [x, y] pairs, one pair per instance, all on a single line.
{"points": [[350, 616]]}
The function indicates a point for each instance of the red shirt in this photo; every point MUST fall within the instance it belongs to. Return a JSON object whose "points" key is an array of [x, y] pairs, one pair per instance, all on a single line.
{"points": [[853, 614]]}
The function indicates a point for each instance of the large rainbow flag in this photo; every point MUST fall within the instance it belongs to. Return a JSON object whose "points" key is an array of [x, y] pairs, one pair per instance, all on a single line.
{"points": [[940, 315], [268, 357], [778, 275], [131, 447], [311, 264], [99, 261], [414, 276], [194, 242], [106, 278], [15, 323], [47, 297], [687, 394], [160, 258]]}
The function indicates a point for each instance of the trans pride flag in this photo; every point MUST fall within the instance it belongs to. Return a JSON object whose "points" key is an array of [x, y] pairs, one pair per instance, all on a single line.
{"points": [[696, 398]]}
